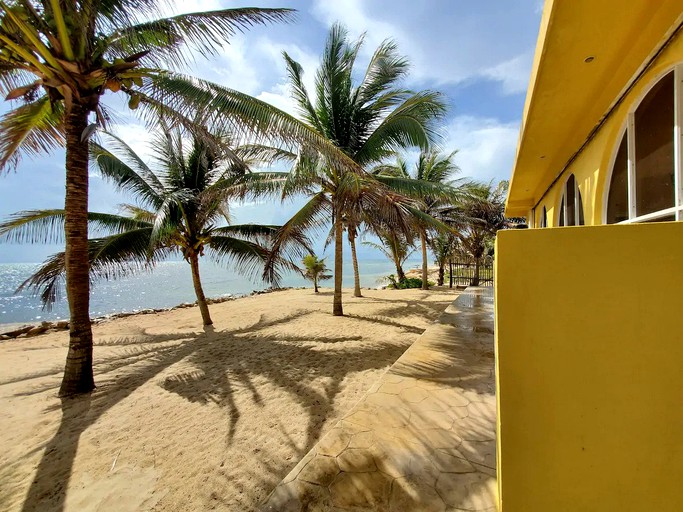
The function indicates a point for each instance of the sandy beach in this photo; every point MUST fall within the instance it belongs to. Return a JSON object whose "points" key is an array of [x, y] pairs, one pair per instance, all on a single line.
{"points": [[190, 419]]}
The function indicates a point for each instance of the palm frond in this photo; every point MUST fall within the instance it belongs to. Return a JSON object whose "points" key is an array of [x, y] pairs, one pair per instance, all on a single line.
{"points": [[162, 40], [47, 226], [110, 257], [33, 128]]}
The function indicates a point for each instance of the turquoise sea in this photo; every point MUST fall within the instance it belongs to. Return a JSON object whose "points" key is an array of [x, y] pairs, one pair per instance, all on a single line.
{"points": [[168, 285]]}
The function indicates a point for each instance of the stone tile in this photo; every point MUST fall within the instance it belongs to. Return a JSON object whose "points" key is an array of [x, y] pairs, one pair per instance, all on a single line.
{"points": [[363, 440], [333, 443], [320, 470], [413, 494], [483, 452], [471, 491], [360, 490], [451, 460], [356, 461], [413, 395]]}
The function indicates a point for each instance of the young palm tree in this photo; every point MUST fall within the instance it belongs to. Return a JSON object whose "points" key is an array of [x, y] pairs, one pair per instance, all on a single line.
{"points": [[434, 172], [180, 205], [394, 246], [443, 247], [316, 270], [367, 121], [58, 59]]}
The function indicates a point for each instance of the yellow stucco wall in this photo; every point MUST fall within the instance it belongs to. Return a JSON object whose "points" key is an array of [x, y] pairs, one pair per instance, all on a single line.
{"points": [[592, 167], [589, 350]]}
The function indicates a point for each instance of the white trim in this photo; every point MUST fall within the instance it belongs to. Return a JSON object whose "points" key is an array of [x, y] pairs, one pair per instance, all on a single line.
{"points": [[631, 151], [610, 172], [678, 142], [677, 210]]}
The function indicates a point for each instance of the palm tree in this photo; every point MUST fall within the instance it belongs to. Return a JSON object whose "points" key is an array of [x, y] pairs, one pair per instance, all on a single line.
{"points": [[477, 218], [443, 248], [367, 121], [180, 205], [394, 246], [58, 59], [316, 270], [433, 171]]}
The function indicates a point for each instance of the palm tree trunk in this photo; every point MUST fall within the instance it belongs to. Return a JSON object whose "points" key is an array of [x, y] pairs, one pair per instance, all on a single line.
{"points": [[354, 258], [201, 299], [399, 271], [337, 308], [78, 374], [423, 240], [442, 271], [315, 284], [475, 278]]}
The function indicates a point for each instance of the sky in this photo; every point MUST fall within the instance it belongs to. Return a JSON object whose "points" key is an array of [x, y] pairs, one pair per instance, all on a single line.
{"points": [[478, 54]]}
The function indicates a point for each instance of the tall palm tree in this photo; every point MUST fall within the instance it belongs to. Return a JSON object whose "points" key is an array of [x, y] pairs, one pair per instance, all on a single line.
{"points": [[434, 171], [180, 205], [367, 121], [58, 59]]}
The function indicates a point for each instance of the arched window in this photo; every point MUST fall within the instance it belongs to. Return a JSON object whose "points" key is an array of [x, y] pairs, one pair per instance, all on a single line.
{"points": [[646, 174], [571, 204], [544, 218]]}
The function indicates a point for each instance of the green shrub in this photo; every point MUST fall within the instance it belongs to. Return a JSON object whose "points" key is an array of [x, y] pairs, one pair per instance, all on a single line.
{"points": [[405, 283]]}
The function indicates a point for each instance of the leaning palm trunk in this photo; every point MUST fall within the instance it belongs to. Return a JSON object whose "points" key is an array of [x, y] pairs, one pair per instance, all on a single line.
{"points": [[337, 308], [199, 292], [354, 258], [78, 374], [423, 241], [399, 271]]}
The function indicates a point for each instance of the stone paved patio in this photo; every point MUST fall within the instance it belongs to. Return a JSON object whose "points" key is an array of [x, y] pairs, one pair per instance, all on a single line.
{"points": [[422, 439]]}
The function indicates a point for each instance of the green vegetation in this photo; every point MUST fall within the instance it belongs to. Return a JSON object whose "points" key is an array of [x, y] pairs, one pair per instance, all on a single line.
{"points": [[316, 270], [405, 283]]}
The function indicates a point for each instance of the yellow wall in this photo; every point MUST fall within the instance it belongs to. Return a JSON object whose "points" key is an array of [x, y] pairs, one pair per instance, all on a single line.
{"points": [[589, 341], [592, 167]]}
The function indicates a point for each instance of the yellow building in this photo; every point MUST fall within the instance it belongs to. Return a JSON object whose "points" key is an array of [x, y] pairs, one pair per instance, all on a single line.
{"points": [[589, 319]]}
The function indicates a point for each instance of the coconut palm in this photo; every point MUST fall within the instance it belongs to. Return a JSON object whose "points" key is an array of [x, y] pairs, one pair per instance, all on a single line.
{"points": [[395, 246], [443, 247], [58, 59], [180, 204], [477, 218], [368, 121], [316, 270], [433, 170]]}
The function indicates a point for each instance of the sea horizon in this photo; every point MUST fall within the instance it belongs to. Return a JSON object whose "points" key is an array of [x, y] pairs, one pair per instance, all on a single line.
{"points": [[167, 286]]}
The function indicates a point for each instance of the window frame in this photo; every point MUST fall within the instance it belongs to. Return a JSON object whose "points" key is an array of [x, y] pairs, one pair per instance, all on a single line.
{"points": [[562, 204], [629, 128]]}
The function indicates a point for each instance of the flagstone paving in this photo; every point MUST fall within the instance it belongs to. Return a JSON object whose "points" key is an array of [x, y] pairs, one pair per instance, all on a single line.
{"points": [[423, 438]]}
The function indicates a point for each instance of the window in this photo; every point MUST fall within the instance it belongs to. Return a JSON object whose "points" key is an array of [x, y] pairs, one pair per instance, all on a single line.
{"points": [[646, 174], [571, 204], [544, 219]]}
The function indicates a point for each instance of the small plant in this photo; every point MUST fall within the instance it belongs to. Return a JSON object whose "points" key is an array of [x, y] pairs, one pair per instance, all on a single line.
{"points": [[405, 282], [316, 270]]}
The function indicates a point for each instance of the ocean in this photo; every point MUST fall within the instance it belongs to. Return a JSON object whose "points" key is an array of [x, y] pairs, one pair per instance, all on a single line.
{"points": [[168, 285]]}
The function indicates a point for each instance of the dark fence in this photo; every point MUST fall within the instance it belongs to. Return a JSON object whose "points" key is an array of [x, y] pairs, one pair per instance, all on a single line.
{"points": [[462, 272]]}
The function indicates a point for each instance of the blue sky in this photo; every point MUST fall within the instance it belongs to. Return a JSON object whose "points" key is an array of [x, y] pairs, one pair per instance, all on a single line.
{"points": [[478, 54]]}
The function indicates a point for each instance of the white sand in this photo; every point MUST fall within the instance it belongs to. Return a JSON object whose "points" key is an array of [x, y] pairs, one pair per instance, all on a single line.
{"points": [[186, 420]]}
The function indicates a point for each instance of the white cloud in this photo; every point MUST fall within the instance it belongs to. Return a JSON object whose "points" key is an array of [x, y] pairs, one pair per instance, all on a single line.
{"points": [[486, 147], [469, 50], [513, 74]]}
